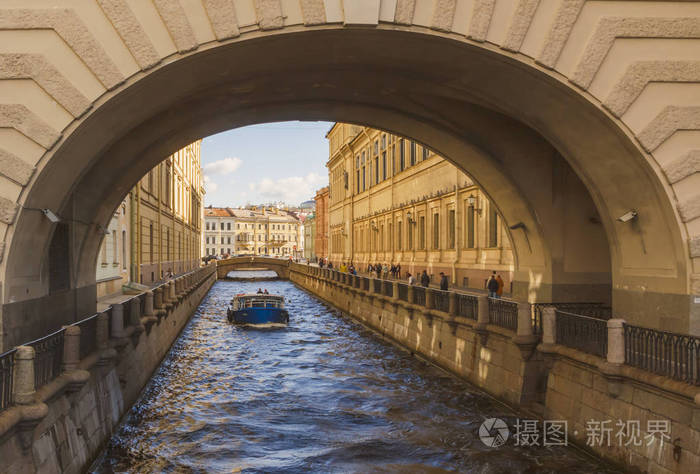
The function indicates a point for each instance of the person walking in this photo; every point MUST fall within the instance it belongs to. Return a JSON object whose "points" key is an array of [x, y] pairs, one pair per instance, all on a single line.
{"points": [[411, 279], [444, 282], [385, 271], [499, 292], [424, 279], [492, 286], [398, 271], [370, 268]]}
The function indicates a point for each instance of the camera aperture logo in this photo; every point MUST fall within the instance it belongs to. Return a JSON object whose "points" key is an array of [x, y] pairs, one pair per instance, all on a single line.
{"points": [[494, 432]]}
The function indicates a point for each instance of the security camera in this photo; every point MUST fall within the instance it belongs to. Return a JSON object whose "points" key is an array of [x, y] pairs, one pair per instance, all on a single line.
{"points": [[51, 216], [628, 216]]}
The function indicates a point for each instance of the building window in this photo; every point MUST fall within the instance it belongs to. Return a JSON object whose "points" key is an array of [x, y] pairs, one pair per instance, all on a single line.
{"points": [[150, 237], [426, 153], [238, 226], [364, 179], [383, 165], [399, 236], [376, 147], [409, 233], [421, 232], [221, 225], [493, 227], [376, 170], [383, 141], [436, 231], [228, 226], [470, 227], [451, 229], [413, 153], [228, 239], [402, 156], [115, 255], [123, 250]]}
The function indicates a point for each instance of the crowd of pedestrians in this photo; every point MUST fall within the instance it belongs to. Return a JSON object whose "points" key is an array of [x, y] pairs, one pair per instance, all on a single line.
{"points": [[386, 271]]}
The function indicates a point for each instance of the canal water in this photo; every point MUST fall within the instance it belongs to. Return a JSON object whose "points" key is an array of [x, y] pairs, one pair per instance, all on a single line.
{"points": [[323, 395]]}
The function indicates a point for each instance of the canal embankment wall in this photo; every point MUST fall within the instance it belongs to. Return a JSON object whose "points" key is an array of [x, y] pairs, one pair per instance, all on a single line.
{"points": [[72, 388], [544, 380]]}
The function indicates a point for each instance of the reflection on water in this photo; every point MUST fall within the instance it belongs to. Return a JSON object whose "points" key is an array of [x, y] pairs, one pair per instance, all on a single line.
{"points": [[322, 395]]}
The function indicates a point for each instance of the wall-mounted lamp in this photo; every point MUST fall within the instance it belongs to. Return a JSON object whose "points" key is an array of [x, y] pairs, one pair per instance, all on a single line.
{"points": [[473, 203], [628, 216], [373, 225], [51, 216], [409, 216]]}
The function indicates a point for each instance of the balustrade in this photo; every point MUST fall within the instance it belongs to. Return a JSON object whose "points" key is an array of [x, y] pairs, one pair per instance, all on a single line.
{"points": [[467, 306], [503, 313], [403, 292], [441, 300], [665, 353], [7, 366], [48, 356], [419, 295], [594, 310], [88, 335], [388, 288], [583, 333]]}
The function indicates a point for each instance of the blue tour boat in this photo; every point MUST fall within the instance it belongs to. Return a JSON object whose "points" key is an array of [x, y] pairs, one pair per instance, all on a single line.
{"points": [[258, 309]]}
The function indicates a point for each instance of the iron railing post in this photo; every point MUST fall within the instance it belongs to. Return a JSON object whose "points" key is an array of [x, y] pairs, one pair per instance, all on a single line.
{"points": [[616, 341]]}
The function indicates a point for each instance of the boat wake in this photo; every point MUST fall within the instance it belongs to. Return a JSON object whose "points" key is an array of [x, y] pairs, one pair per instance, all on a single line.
{"points": [[263, 325]]}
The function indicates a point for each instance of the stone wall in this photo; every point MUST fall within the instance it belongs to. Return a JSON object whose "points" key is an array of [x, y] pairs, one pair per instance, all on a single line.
{"points": [[67, 422], [547, 382]]}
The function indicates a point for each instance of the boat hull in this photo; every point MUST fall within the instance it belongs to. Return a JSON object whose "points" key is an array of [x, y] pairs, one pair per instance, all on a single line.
{"points": [[259, 316]]}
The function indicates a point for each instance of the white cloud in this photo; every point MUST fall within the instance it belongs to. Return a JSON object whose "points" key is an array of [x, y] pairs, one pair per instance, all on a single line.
{"points": [[210, 185], [292, 189], [225, 166]]}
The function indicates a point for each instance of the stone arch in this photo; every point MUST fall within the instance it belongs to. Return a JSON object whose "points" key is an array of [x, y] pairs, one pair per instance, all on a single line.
{"points": [[453, 74], [280, 267]]}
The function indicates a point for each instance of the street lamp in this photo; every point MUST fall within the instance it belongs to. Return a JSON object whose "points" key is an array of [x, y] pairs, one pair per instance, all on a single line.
{"points": [[473, 202]]}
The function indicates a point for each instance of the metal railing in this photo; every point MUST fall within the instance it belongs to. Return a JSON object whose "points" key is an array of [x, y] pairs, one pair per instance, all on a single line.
{"points": [[126, 311], [419, 295], [403, 292], [468, 306], [503, 313], [593, 310], [441, 300], [388, 287], [584, 333], [664, 353], [88, 335], [7, 366], [48, 355]]}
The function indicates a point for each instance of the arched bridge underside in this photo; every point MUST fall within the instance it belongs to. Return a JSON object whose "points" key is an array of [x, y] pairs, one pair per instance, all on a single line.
{"points": [[223, 267], [568, 113]]}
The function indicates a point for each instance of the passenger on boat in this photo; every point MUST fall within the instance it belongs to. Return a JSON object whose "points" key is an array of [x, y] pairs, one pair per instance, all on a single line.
{"points": [[266, 292], [260, 291]]}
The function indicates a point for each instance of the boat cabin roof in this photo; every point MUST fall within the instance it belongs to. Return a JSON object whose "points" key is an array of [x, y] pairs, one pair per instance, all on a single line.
{"points": [[258, 296]]}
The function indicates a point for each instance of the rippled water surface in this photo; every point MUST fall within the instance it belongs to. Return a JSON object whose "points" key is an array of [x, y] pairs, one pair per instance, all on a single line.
{"points": [[323, 395]]}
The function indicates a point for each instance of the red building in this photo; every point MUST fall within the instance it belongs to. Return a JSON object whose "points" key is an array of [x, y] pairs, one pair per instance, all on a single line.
{"points": [[321, 239]]}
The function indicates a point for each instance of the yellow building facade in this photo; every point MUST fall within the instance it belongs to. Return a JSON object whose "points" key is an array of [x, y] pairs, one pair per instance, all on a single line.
{"points": [[257, 230], [167, 217], [395, 201]]}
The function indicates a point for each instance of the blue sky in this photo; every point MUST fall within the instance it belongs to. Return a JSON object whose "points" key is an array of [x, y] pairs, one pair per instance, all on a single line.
{"points": [[284, 161]]}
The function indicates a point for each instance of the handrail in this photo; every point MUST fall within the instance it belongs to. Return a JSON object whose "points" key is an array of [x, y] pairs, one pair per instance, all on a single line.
{"points": [[7, 366], [48, 350]]}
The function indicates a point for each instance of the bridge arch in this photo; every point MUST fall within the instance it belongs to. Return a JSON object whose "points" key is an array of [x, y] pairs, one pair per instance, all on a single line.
{"points": [[521, 96], [280, 267]]}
